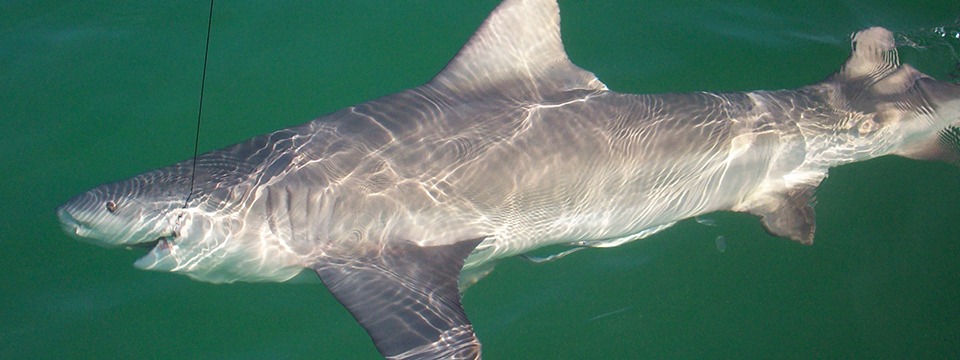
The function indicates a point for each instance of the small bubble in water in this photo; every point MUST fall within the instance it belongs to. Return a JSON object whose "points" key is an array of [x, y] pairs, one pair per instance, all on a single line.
{"points": [[721, 242]]}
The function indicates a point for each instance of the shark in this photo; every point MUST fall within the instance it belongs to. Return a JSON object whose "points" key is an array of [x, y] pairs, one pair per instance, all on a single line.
{"points": [[400, 203]]}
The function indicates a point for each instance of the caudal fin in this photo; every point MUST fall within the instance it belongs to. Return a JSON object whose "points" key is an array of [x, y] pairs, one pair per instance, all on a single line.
{"points": [[873, 81], [944, 144]]}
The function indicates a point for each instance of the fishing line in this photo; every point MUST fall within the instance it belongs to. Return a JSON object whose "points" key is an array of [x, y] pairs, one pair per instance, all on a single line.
{"points": [[203, 80]]}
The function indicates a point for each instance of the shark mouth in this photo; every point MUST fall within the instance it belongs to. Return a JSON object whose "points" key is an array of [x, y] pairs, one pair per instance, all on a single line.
{"points": [[161, 243], [157, 249], [161, 254]]}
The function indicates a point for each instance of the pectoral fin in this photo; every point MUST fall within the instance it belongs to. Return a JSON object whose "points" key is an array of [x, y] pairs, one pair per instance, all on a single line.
{"points": [[407, 299], [789, 215]]}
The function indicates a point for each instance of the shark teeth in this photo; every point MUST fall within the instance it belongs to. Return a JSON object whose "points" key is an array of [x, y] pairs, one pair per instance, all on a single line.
{"points": [[165, 243], [161, 257]]}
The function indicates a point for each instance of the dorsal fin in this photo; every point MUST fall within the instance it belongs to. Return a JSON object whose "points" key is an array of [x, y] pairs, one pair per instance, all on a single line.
{"points": [[517, 50], [874, 56]]}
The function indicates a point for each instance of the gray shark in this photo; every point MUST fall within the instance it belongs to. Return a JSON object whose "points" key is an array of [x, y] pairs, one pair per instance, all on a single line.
{"points": [[400, 203]]}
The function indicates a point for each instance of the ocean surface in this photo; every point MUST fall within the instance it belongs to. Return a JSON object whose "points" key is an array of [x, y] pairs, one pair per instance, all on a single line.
{"points": [[97, 91]]}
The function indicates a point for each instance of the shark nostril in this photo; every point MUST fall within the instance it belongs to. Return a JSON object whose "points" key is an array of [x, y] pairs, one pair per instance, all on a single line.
{"points": [[111, 206]]}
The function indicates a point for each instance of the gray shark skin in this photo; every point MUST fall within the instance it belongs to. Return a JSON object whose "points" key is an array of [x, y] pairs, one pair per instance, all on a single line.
{"points": [[400, 203]]}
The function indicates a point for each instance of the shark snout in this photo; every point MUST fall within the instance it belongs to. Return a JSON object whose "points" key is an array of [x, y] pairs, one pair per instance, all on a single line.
{"points": [[116, 215], [71, 213], [90, 218], [67, 221]]}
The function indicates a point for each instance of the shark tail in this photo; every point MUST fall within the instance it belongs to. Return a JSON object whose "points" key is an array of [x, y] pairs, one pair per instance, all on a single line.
{"points": [[874, 75]]}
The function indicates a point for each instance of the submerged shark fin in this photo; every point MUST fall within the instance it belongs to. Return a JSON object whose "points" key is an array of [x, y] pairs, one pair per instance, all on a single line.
{"points": [[518, 47], [948, 145], [944, 146], [407, 299], [790, 215]]}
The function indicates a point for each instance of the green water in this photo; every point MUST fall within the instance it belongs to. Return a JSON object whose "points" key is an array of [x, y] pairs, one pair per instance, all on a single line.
{"points": [[92, 92]]}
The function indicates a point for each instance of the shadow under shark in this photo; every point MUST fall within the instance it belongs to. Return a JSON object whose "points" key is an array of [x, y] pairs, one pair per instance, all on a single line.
{"points": [[400, 203]]}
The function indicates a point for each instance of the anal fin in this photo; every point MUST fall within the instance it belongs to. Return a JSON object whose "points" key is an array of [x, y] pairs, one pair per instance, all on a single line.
{"points": [[789, 214], [406, 297]]}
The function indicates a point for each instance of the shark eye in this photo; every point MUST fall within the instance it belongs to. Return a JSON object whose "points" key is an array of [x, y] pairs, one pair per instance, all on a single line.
{"points": [[111, 206]]}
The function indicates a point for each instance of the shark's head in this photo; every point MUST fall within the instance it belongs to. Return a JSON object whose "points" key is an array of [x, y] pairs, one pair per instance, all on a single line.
{"points": [[144, 210], [203, 237], [880, 107]]}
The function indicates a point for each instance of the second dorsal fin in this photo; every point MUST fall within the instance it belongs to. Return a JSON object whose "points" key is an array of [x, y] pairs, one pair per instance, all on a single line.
{"points": [[873, 56]]}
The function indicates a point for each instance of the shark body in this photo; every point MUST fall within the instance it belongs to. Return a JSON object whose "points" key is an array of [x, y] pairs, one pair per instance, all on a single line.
{"points": [[400, 203]]}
